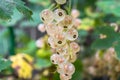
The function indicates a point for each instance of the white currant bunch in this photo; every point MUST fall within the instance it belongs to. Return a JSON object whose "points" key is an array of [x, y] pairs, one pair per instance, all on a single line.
{"points": [[62, 34], [107, 64]]}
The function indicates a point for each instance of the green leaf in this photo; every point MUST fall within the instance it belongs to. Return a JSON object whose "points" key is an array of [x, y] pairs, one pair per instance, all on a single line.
{"points": [[107, 42], [35, 17], [41, 2], [117, 49], [109, 6], [106, 30], [82, 33], [14, 19], [23, 9], [56, 76], [4, 37], [42, 63], [30, 48], [7, 7], [103, 43], [78, 70], [4, 63]]}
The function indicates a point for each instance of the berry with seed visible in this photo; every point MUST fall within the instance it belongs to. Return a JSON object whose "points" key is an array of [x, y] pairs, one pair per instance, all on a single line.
{"points": [[59, 15], [67, 23], [74, 47], [72, 57], [46, 16], [65, 77], [69, 68], [51, 42], [72, 34], [54, 58], [64, 50], [59, 39]]}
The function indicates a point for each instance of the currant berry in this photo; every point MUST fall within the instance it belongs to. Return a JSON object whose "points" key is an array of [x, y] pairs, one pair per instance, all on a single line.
{"points": [[41, 27], [67, 23], [72, 34], [59, 15], [61, 60], [72, 58], [61, 1], [51, 29], [51, 43], [54, 58], [65, 76], [69, 68], [57, 59], [77, 23], [63, 50], [74, 47], [47, 16], [75, 13], [60, 39], [40, 43]]}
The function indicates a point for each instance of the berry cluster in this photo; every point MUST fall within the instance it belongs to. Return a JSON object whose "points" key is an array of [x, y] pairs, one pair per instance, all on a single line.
{"points": [[62, 34], [103, 63]]}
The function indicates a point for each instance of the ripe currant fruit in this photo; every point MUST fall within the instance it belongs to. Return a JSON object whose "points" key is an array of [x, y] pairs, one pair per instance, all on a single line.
{"points": [[47, 16], [59, 27], [59, 15]]}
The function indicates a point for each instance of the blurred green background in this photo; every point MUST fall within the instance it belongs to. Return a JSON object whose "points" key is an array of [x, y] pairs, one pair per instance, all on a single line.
{"points": [[19, 33]]}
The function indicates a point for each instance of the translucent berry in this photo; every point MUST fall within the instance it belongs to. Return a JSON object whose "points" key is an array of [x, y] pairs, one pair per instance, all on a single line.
{"points": [[61, 1], [64, 50], [46, 16], [60, 39], [75, 13], [57, 59], [54, 58], [74, 47], [41, 27], [51, 42], [61, 60], [69, 68], [73, 57], [67, 23], [77, 23], [65, 76], [59, 15], [40, 43], [53, 29], [72, 34]]}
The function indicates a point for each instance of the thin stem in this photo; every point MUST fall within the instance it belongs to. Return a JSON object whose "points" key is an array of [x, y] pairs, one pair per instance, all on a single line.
{"points": [[11, 41], [52, 6], [75, 4], [70, 6], [70, 51], [57, 6]]}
